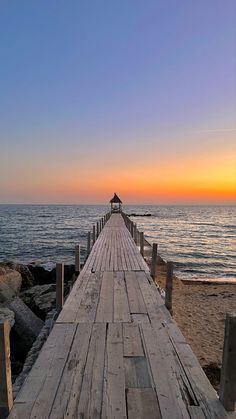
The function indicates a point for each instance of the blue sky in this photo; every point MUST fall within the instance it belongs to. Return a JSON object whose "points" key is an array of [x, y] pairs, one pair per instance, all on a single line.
{"points": [[91, 81]]}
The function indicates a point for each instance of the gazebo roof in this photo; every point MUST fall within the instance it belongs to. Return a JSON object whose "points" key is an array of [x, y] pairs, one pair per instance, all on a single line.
{"points": [[115, 199]]}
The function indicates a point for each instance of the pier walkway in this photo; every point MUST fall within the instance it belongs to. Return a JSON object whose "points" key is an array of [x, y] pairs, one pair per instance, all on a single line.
{"points": [[115, 352]]}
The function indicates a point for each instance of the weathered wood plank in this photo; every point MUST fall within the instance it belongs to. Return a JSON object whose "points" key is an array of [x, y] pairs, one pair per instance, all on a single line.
{"points": [[136, 372], [136, 301], [132, 340], [142, 404], [106, 299], [88, 306], [114, 401], [121, 304], [90, 402], [168, 393]]}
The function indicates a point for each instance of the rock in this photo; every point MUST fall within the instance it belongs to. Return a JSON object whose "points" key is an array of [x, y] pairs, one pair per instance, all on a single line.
{"points": [[34, 351], [6, 314], [26, 275], [10, 283], [27, 325], [43, 276], [40, 298]]}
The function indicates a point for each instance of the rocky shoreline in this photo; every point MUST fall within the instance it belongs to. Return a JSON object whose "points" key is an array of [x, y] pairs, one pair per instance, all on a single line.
{"points": [[28, 302]]}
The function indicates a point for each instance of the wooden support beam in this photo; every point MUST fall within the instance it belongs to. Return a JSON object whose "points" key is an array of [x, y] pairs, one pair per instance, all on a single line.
{"points": [[154, 260], [59, 286], [228, 370], [77, 259], [142, 243], [88, 243], [169, 286], [6, 398], [94, 234]]}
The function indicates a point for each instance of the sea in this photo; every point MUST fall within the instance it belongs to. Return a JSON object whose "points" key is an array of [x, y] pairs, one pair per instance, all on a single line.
{"points": [[199, 240]]}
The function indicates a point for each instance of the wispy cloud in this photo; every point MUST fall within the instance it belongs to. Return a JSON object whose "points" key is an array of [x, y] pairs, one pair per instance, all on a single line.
{"points": [[218, 130]]}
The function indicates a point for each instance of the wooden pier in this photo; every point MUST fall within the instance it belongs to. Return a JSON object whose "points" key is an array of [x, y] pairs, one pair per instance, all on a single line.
{"points": [[115, 351]]}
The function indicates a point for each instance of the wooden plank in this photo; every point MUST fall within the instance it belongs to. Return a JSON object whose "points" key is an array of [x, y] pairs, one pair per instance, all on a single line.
{"points": [[136, 372], [121, 304], [135, 297], [70, 308], [141, 319], [88, 305], [228, 370], [169, 396], [67, 398], [90, 402], [132, 340], [106, 299], [114, 401], [142, 404], [195, 412], [205, 393]]}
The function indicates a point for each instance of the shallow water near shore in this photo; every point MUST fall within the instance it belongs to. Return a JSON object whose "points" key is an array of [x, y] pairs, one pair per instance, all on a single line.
{"points": [[200, 240]]}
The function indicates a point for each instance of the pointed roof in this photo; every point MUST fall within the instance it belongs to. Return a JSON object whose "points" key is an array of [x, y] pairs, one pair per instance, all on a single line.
{"points": [[115, 199]]}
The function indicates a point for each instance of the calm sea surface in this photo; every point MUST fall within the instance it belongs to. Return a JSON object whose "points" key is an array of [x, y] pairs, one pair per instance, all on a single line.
{"points": [[200, 240]]}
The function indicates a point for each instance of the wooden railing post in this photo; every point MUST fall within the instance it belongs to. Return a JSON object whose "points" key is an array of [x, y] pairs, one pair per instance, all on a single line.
{"points": [[59, 286], [142, 243], [228, 370], [6, 398], [97, 229], [135, 233], [132, 229], [154, 260], [169, 286], [77, 259], [94, 234], [89, 243]]}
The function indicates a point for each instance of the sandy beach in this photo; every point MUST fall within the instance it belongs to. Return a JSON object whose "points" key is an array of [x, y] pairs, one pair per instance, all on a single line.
{"points": [[199, 311]]}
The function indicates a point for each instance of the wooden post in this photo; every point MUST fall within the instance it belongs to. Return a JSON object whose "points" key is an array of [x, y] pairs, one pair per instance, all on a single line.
{"points": [[154, 260], [142, 243], [59, 286], [169, 286], [97, 229], [135, 233], [89, 243], [228, 370], [132, 229], [94, 234], [6, 398], [77, 259]]}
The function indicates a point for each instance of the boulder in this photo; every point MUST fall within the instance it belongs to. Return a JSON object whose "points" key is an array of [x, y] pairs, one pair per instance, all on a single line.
{"points": [[26, 275], [48, 276], [40, 298], [10, 283], [6, 314], [27, 325]]}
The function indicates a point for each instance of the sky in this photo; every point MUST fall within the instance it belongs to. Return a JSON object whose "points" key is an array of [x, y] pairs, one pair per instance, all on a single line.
{"points": [[131, 96]]}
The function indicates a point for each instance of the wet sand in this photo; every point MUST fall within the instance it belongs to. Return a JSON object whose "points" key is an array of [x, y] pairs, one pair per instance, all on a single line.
{"points": [[200, 311]]}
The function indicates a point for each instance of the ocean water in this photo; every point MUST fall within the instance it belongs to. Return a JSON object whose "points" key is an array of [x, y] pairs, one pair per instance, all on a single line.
{"points": [[200, 240]]}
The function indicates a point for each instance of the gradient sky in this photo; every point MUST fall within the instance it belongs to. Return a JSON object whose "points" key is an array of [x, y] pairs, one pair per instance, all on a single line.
{"points": [[132, 96]]}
